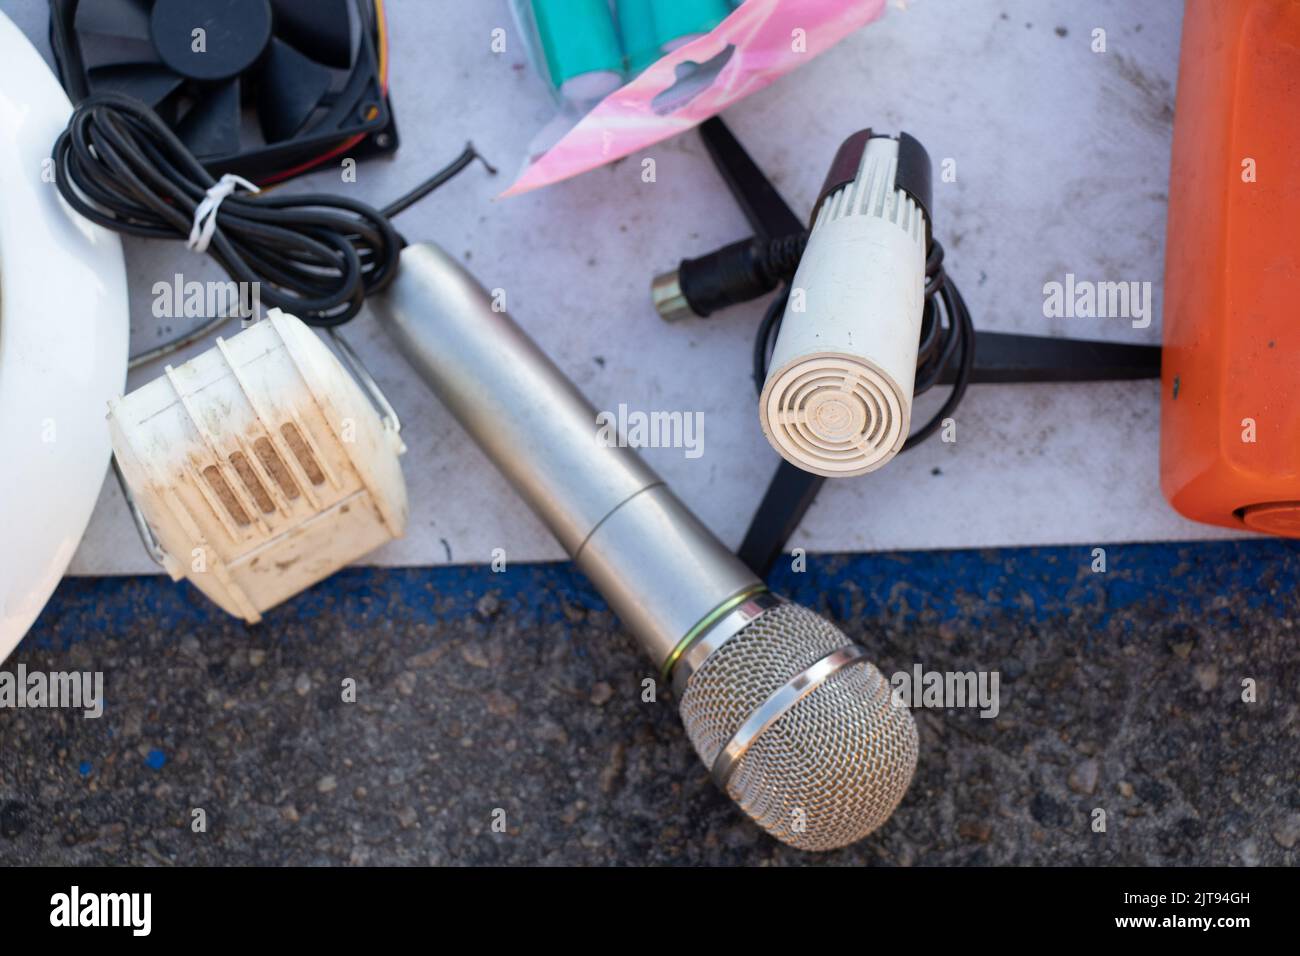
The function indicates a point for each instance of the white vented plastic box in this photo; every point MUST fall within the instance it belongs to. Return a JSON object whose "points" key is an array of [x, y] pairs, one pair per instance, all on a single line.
{"points": [[260, 466]]}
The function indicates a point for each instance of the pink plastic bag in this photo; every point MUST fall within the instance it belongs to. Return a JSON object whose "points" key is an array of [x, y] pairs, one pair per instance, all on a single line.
{"points": [[759, 42]]}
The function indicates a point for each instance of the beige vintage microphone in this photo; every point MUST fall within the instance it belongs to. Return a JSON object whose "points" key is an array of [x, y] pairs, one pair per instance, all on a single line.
{"points": [[792, 720], [838, 397]]}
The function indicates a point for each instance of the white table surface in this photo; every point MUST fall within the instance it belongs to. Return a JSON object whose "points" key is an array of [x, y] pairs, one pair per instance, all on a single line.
{"points": [[1062, 166]]}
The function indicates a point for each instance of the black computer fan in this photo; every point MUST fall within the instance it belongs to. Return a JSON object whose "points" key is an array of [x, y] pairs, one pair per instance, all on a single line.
{"points": [[254, 87]]}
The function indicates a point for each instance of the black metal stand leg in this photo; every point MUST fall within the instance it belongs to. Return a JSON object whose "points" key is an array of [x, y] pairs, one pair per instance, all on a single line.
{"points": [[1004, 359], [769, 215], [789, 496]]}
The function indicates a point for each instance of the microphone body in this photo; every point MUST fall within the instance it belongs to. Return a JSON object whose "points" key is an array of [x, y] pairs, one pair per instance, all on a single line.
{"points": [[838, 397], [659, 568], [793, 722]]}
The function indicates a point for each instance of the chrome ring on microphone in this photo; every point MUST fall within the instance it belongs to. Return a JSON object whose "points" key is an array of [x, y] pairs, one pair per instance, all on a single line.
{"points": [[719, 627], [776, 706]]}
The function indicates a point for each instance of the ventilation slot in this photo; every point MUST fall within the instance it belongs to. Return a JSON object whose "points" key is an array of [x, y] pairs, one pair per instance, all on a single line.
{"points": [[252, 482], [276, 467], [300, 451], [217, 482]]}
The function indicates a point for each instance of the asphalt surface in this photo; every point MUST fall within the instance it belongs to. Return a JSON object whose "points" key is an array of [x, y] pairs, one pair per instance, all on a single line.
{"points": [[478, 693]]}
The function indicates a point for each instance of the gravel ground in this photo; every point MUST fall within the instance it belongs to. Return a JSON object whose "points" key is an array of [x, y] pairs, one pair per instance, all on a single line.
{"points": [[481, 693]]}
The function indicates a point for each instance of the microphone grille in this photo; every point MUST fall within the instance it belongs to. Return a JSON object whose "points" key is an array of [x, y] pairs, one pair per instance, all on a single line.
{"points": [[832, 767], [834, 415]]}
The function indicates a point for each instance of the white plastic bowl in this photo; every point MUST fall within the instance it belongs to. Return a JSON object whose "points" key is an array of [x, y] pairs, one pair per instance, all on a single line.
{"points": [[63, 345]]}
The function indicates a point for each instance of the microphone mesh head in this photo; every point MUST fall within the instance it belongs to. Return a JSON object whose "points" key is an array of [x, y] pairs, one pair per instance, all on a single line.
{"points": [[835, 765], [835, 415]]}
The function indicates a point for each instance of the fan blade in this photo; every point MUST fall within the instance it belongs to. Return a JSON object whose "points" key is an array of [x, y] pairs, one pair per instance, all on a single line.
{"points": [[114, 33], [99, 51], [319, 28], [211, 127], [152, 84], [289, 88], [128, 19]]}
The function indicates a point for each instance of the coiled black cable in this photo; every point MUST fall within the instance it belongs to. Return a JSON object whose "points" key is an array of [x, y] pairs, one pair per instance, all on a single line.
{"points": [[316, 255], [946, 329]]}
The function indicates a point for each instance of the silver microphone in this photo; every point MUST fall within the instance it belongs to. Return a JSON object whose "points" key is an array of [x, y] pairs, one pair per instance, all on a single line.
{"points": [[792, 720]]}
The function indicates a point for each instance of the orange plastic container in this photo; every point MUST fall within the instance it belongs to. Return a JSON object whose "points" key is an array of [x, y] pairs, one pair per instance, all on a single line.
{"points": [[1230, 427]]}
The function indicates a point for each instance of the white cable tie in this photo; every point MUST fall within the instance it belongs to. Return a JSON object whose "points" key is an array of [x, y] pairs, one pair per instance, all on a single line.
{"points": [[205, 214]]}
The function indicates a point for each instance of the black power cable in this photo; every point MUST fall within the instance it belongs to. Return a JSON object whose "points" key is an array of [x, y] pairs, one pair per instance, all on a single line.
{"points": [[316, 255]]}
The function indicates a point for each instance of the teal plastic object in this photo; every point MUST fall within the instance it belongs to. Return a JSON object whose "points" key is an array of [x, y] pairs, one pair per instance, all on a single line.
{"points": [[579, 40], [679, 20], [636, 25]]}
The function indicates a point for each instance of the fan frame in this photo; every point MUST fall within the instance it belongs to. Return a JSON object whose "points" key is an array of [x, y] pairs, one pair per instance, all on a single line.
{"points": [[271, 161]]}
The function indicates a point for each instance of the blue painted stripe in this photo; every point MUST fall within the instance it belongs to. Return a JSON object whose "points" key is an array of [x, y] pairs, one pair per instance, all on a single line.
{"points": [[1035, 583]]}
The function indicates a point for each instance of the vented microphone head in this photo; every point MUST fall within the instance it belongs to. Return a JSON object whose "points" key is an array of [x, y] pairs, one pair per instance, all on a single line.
{"points": [[801, 730], [836, 415]]}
